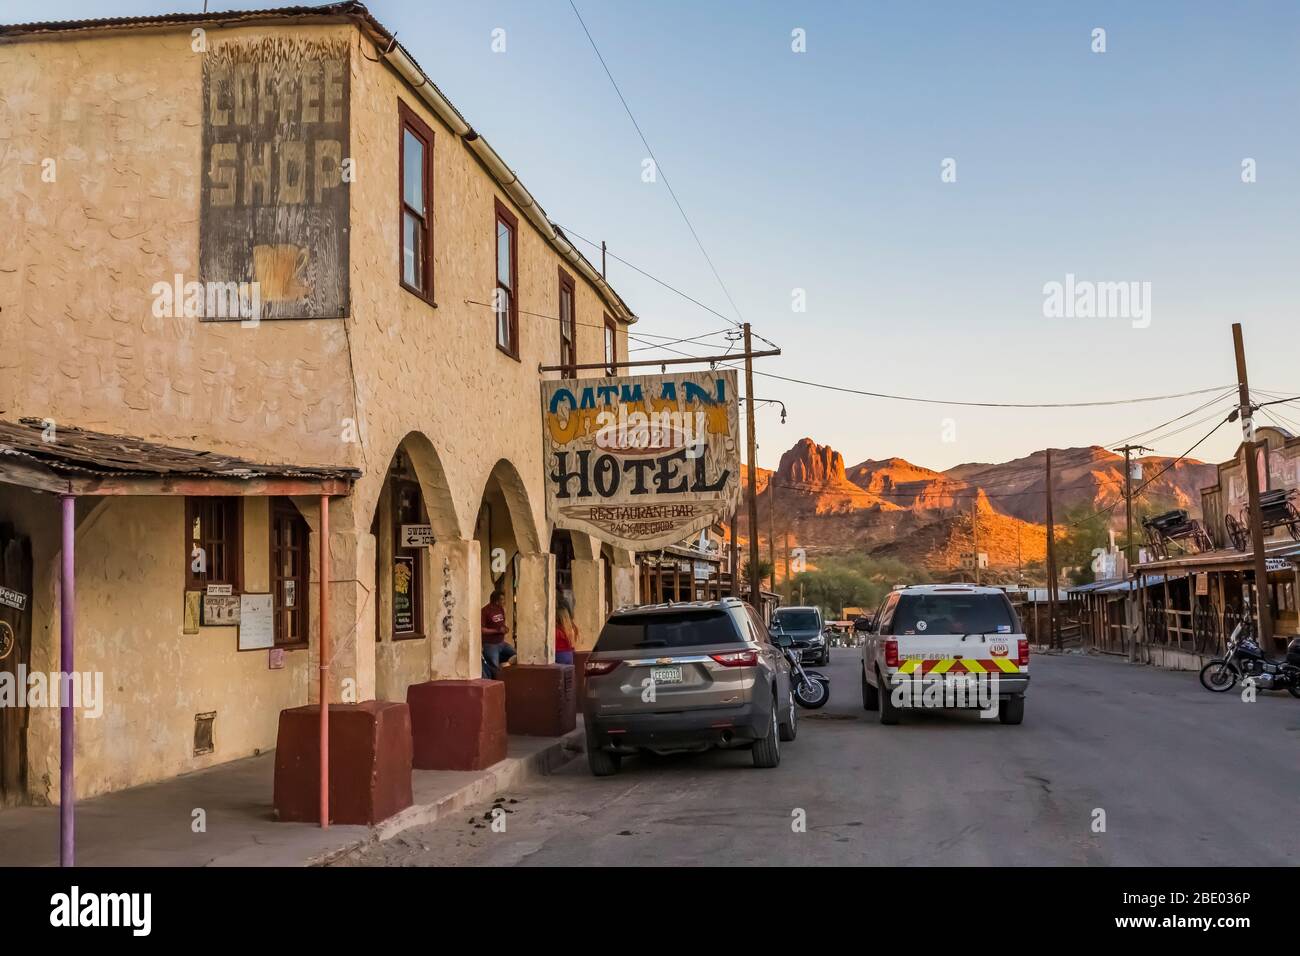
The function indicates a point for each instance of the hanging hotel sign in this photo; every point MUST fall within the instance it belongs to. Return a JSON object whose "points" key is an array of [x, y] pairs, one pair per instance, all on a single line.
{"points": [[273, 222], [641, 462]]}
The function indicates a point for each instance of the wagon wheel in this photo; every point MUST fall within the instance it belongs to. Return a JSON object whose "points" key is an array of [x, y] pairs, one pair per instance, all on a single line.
{"points": [[1293, 521], [1202, 538], [1236, 531], [1155, 543]]}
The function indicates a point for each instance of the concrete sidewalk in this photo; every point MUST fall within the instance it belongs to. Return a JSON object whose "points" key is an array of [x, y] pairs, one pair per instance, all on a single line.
{"points": [[153, 825]]}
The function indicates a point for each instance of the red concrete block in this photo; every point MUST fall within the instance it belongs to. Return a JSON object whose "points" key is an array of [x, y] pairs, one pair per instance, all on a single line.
{"points": [[370, 763], [457, 724], [539, 699], [579, 675]]}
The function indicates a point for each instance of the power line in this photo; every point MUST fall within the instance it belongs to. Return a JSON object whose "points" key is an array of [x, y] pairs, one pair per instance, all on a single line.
{"points": [[653, 278], [658, 168], [1146, 484], [1217, 398]]}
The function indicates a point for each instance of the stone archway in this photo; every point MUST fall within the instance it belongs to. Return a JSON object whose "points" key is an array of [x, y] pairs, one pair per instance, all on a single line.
{"points": [[416, 596], [512, 557]]}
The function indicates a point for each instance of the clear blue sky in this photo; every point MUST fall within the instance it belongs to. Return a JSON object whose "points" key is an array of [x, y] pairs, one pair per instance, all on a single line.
{"points": [[821, 171]]}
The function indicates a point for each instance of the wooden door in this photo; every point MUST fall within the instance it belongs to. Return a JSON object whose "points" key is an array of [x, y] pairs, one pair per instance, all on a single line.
{"points": [[16, 649]]}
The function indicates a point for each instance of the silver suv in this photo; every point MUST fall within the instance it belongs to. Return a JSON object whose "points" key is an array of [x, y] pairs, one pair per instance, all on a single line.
{"points": [[672, 677]]}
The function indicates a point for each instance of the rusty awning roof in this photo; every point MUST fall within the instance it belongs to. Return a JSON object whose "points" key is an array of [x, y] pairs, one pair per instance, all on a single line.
{"points": [[65, 460], [1221, 559]]}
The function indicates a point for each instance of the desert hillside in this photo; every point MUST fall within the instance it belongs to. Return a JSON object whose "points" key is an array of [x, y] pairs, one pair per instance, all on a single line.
{"points": [[892, 507]]}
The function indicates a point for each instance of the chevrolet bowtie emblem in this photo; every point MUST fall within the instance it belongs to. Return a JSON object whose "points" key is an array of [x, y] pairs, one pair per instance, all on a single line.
{"points": [[664, 660]]}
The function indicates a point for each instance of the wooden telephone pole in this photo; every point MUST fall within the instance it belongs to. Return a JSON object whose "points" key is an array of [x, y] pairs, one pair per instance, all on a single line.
{"points": [[1128, 500], [771, 527], [975, 533], [755, 600], [1053, 633], [1263, 605]]}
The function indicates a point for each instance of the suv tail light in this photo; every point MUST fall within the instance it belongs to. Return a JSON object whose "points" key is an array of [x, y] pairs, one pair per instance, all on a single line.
{"points": [[1022, 652], [737, 658], [599, 667], [891, 653]]}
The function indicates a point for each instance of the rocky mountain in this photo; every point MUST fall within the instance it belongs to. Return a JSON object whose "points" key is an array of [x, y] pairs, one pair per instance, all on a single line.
{"points": [[891, 507]]}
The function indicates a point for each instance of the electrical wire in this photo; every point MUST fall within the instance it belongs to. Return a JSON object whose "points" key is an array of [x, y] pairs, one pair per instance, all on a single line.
{"points": [[653, 278], [1146, 484], [658, 167]]}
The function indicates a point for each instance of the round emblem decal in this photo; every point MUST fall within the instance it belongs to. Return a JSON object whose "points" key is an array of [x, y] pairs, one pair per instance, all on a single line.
{"points": [[921, 625], [7, 640], [998, 650]]}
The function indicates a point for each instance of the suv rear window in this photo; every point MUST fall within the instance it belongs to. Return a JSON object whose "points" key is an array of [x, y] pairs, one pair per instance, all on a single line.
{"points": [[792, 620], [630, 632], [953, 614]]}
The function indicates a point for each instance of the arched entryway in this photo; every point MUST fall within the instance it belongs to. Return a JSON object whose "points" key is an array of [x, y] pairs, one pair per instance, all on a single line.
{"points": [[511, 559], [413, 513]]}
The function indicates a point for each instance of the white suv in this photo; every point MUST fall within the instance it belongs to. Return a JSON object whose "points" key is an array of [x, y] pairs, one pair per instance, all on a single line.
{"points": [[946, 645]]}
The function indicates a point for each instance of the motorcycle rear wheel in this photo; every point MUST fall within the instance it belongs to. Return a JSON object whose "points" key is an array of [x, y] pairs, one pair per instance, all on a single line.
{"points": [[1219, 676]]}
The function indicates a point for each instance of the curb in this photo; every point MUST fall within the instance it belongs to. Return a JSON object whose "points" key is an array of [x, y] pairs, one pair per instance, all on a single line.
{"points": [[502, 776]]}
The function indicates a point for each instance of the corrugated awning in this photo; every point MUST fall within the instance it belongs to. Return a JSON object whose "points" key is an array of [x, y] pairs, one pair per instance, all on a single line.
{"points": [[1223, 560], [62, 459]]}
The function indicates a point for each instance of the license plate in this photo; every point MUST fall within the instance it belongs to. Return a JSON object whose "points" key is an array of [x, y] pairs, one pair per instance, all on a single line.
{"points": [[666, 675]]}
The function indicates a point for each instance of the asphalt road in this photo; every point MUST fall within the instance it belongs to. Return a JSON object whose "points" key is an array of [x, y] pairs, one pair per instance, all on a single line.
{"points": [[1185, 777]]}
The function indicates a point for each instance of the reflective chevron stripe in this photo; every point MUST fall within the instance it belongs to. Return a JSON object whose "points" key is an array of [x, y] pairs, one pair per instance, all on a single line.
{"points": [[959, 665]]}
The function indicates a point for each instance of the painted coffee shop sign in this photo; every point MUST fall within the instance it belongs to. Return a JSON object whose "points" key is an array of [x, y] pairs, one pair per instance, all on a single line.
{"points": [[641, 462], [274, 200]]}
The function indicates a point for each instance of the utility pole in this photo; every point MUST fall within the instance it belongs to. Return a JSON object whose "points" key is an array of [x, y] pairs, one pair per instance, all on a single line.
{"points": [[785, 545], [1051, 560], [733, 554], [771, 526], [1263, 605], [755, 600], [975, 533], [1020, 577], [602, 258], [1128, 500]]}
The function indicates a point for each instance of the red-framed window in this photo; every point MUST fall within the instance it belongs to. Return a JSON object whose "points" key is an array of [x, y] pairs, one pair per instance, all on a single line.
{"points": [[214, 549], [415, 202], [611, 345], [506, 298], [568, 326]]}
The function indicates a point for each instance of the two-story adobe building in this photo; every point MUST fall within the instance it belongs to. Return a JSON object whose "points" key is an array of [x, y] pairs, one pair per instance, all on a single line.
{"points": [[249, 263]]}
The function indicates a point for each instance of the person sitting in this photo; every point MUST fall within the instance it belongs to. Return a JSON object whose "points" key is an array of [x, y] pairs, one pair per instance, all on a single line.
{"points": [[497, 652], [566, 635]]}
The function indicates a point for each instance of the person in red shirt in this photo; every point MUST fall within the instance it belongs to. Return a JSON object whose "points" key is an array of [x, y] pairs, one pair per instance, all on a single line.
{"points": [[496, 650], [566, 635]]}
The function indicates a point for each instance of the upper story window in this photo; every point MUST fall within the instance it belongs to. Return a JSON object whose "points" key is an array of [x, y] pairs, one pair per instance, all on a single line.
{"points": [[568, 327], [611, 345], [415, 173], [214, 549], [505, 301]]}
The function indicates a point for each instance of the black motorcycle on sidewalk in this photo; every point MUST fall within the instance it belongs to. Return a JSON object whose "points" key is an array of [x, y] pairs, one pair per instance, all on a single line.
{"points": [[1245, 660], [812, 689]]}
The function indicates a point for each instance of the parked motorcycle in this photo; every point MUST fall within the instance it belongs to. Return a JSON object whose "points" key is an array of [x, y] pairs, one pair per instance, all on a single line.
{"points": [[1244, 659], [812, 689]]}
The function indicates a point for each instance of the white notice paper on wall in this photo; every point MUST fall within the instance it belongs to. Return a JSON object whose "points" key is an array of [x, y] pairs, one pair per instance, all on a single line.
{"points": [[256, 623]]}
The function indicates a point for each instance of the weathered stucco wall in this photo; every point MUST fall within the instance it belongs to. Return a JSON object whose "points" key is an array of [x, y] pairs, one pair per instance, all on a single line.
{"points": [[120, 116], [156, 679]]}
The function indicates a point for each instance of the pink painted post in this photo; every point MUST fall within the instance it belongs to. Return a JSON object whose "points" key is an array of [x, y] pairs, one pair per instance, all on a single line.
{"points": [[324, 662], [67, 612]]}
